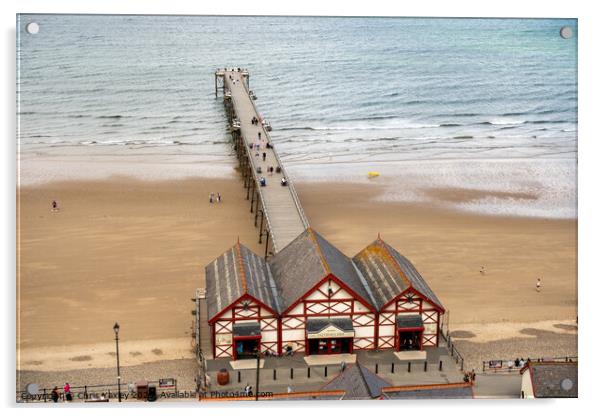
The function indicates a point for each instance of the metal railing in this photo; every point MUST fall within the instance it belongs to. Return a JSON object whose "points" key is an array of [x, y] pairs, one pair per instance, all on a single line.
{"points": [[509, 366], [453, 350], [93, 392]]}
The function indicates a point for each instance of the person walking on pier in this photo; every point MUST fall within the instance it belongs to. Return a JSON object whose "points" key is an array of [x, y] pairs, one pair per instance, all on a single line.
{"points": [[263, 156], [259, 135]]}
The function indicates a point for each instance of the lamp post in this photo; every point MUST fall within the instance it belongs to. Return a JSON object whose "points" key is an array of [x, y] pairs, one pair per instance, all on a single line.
{"points": [[257, 376], [116, 329]]}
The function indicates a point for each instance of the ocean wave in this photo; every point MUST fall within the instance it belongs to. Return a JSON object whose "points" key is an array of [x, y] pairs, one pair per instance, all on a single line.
{"points": [[502, 121], [400, 124], [112, 117]]}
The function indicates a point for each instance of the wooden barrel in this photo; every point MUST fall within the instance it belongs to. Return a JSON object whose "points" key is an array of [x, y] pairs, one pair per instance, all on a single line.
{"points": [[223, 377]]}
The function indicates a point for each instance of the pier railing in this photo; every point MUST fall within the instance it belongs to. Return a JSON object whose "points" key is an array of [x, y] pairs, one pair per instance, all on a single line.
{"points": [[291, 187]]}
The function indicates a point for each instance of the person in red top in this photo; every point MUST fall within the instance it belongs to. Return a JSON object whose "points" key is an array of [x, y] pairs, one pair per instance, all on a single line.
{"points": [[67, 390]]}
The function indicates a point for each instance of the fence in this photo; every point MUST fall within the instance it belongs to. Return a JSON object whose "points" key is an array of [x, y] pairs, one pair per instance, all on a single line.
{"points": [[509, 365], [94, 393], [453, 350]]}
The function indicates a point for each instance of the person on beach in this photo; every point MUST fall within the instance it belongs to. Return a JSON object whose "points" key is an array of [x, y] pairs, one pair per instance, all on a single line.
{"points": [[55, 206], [482, 271], [219, 197], [211, 196], [54, 395], [538, 285]]}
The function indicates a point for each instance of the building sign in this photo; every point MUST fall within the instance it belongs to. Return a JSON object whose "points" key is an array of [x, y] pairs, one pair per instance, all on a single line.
{"points": [[223, 339], [496, 364], [167, 382], [331, 331]]}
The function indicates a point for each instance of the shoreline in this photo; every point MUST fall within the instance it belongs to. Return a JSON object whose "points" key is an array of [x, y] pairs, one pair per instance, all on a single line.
{"points": [[500, 187]]}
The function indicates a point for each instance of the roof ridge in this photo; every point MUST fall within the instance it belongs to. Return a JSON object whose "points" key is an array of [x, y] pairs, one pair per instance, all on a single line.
{"points": [[241, 267], [363, 377], [427, 386], [363, 368], [314, 239], [385, 246]]}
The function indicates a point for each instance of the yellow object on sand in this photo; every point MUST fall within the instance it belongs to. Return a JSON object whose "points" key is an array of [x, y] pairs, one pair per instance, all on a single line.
{"points": [[373, 174]]}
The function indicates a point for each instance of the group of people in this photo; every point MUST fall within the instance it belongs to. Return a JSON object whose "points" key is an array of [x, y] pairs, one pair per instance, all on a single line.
{"points": [[215, 198], [255, 121], [518, 363], [55, 395], [470, 376]]}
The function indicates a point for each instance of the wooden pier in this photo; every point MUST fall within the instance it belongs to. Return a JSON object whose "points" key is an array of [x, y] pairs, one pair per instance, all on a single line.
{"points": [[276, 207]]}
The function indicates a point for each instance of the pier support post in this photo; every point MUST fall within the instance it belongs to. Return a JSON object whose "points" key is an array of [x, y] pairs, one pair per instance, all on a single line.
{"points": [[215, 85], [253, 198], [256, 208], [267, 243], [261, 227]]}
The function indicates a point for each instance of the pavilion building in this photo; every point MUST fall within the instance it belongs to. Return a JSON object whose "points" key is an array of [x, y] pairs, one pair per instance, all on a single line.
{"points": [[313, 299]]}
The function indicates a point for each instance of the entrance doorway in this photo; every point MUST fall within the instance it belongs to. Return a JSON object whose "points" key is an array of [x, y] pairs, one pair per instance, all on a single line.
{"points": [[409, 340], [246, 347], [323, 346]]}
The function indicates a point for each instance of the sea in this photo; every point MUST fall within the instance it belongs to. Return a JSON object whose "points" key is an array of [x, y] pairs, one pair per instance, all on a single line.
{"points": [[429, 103]]}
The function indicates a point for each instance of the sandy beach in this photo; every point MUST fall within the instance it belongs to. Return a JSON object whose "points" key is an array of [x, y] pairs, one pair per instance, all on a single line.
{"points": [[134, 251]]}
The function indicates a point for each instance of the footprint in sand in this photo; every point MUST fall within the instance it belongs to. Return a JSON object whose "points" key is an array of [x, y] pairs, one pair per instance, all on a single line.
{"points": [[81, 358], [462, 334]]}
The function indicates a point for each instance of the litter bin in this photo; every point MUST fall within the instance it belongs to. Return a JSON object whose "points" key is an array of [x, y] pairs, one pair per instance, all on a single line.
{"points": [[142, 389], [152, 393], [223, 377]]}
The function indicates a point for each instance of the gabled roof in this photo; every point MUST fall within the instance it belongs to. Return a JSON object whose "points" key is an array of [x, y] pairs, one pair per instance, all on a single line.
{"points": [[358, 382], [388, 274], [409, 321], [548, 378], [315, 325], [235, 273], [430, 391], [307, 260]]}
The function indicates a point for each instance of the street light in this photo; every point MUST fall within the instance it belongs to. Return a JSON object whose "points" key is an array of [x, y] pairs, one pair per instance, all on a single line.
{"points": [[116, 329]]}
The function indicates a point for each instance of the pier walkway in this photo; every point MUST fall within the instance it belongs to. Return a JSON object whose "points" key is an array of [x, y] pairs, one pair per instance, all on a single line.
{"points": [[277, 207]]}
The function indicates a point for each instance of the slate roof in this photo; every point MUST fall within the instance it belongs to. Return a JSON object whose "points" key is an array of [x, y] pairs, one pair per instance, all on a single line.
{"points": [[358, 382], [409, 321], [433, 391], [388, 273], [306, 261], [245, 329], [234, 273], [316, 325], [547, 378], [377, 274]]}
